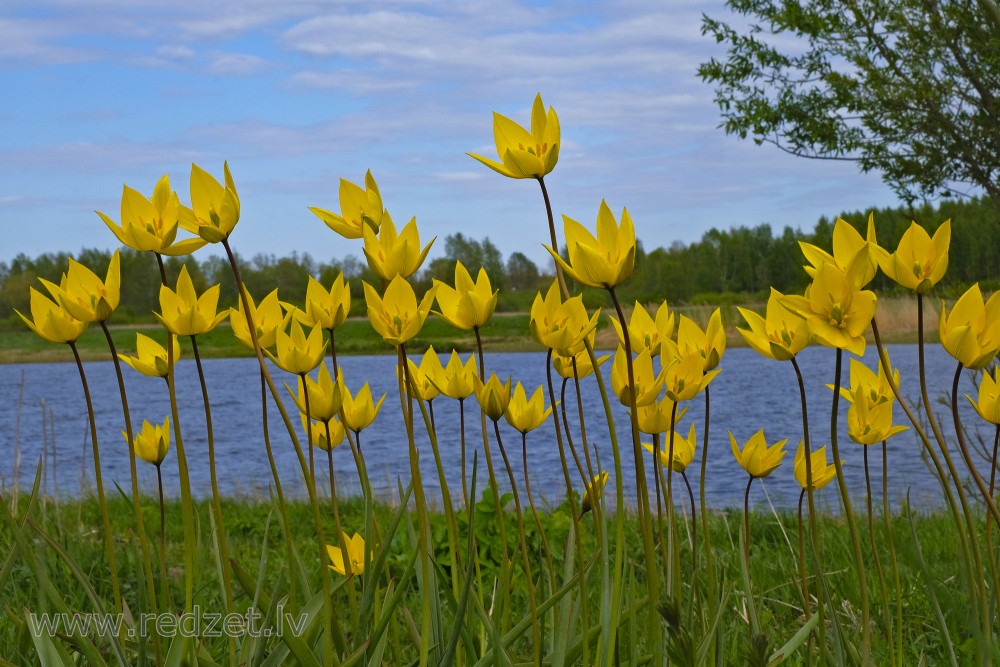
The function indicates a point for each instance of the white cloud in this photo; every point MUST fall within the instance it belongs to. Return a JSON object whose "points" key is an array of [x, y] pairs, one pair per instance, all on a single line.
{"points": [[235, 64]]}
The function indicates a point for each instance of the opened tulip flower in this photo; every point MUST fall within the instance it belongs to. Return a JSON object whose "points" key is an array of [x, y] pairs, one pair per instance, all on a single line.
{"points": [[268, 317], [359, 411], [847, 246], [397, 316], [709, 344], [526, 414], [822, 472], [151, 358], [323, 395], [50, 320], [684, 449], [85, 296], [326, 435], [328, 308], [836, 312], [584, 367], [648, 384], [458, 380], [152, 442], [602, 261], [469, 304], [184, 313], [493, 396], [525, 154], [592, 492], [295, 352], [646, 332], [150, 225], [987, 403], [757, 457], [659, 417], [683, 374], [560, 325], [869, 424], [215, 209], [970, 332], [920, 261], [865, 382], [390, 254], [780, 334], [359, 208], [355, 555]]}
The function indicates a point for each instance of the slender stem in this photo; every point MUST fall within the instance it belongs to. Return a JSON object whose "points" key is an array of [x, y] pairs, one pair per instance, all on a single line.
{"points": [[806, 606], [534, 511], [583, 421], [333, 354], [589, 475], [694, 523], [887, 518], [164, 581], [341, 536], [707, 537], [461, 422], [883, 591], [746, 522], [552, 236], [430, 408]]}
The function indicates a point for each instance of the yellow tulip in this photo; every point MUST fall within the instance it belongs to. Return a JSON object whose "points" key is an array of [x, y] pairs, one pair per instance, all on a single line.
{"points": [[602, 261], [592, 492], [648, 384], [152, 442], [584, 367], [319, 433], [987, 402], [184, 313], [684, 449], [457, 380], [920, 261], [85, 296], [268, 317], [836, 312], [780, 334], [390, 255], [359, 411], [493, 396], [869, 424], [822, 472], [427, 376], [657, 417], [646, 332], [355, 555], [397, 317], [323, 395], [683, 374], [560, 325], [330, 308], [525, 154], [295, 352], [359, 208], [847, 244], [756, 457], [151, 225], [150, 357], [971, 331], [215, 209], [51, 321], [874, 387], [526, 414], [470, 303], [709, 344]]}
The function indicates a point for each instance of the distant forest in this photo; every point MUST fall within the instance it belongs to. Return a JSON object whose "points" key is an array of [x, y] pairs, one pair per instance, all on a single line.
{"points": [[726, 266]]}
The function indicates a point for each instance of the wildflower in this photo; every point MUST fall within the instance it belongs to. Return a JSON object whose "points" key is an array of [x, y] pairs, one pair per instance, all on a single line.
{"points": [[525, 154], [323, 396], [648, 385], [646, 332], [987, 402], [355, 555], [85, 296], [359, 411], [971, 331], [326, 435], [847, 246], [469, 304], [920, 261], [684, 449], [359, 208], [295, 352], [51, 321], [151, 224], [424, 375], [184, 313], [756, 457], [526, 414], [268, 317], [390, 254], [560, 325], [592, 492], [657, 417], [215, 209], [150, 357], [780, 334], [584, 367], [868, 424], [709, 344], [328, 308], [602, 261], [457, 380], [397, 317], [493, 396], [683, 374], [152, 442], [822, 472]]}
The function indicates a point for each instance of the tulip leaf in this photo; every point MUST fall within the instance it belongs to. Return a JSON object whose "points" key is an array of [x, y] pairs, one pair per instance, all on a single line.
{"points": [[794, 643]]}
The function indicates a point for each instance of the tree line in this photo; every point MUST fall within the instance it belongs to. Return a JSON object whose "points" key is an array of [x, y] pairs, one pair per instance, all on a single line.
{"points": [[735, 265]]}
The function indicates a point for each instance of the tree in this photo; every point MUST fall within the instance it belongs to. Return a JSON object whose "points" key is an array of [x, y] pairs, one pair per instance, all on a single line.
{"points": [[902, 87], [522, 273]]}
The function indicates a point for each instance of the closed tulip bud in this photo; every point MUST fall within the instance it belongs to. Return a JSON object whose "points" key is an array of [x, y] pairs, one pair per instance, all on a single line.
{"points": [[592, 492], [359, 411], [326, 435], [493, 396], [564, 365], [85, 296], [328, 308], [970, 332], [684, 449], [648, 384], [987, 403], [152, 442]]}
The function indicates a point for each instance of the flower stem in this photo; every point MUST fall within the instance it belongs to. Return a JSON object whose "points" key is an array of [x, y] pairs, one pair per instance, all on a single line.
{"points": [[883, 592]]}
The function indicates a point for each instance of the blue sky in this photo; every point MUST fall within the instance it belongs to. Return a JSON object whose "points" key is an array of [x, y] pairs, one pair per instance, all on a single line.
{"points": [[297, 94]]}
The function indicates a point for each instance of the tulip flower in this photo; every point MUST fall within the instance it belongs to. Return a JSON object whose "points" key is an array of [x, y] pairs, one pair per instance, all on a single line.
{"points": [[359, 411], [657, 417], [268, 317], [319, 433], [920, 261], [526, 414], [592, 492], [390, 255], [709, 344], [397, 317], [355, 555], [493, 396], [457, 380], [875, 388], [756, 457], [560, 325], [423, 376], [151, 358], [85, 296], [151, 224], [822, 472], [324, 398], [683, 375], [152, 442], [184, 313], [359, 208], [836, 312], [215, 209], [971, 331], [51, 321], [602, 261], [469, 304], [987, 403], [869, 424], [295, 352], [328, 309], [645, 332], [847, 245], [684, 449], [780, 334], [525, 154], [584, 367], [648, 385]]}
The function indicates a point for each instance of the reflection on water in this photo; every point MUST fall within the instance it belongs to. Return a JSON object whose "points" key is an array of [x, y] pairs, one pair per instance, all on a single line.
{"points": [[750, 393]]}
